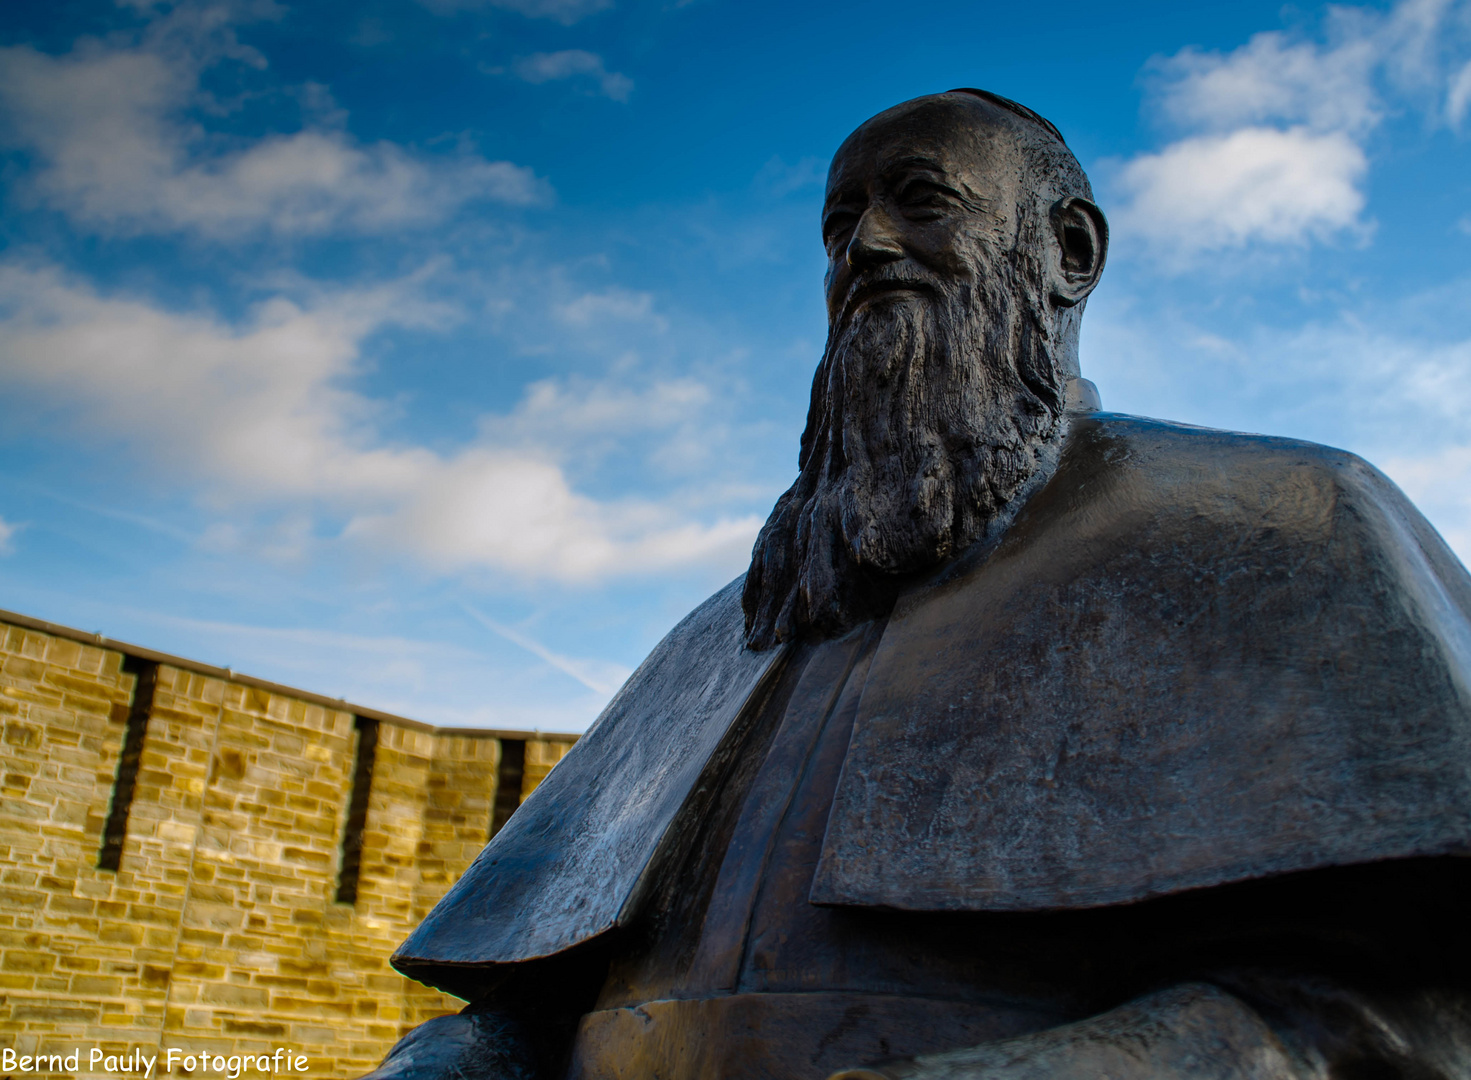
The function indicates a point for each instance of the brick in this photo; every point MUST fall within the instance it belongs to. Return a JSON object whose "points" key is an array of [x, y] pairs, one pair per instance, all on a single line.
{"points": [[223, 905], [95, 986], [22, 736], [54, 1013], [26, 960]]}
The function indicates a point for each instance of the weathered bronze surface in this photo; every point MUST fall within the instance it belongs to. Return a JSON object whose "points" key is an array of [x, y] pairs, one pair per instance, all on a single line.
{"points": [[1196, 657], [573, 859], [1039, 742]]}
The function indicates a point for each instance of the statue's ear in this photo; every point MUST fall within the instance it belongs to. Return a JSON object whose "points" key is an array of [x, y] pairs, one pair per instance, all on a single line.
{"points": [[1082, 247]]}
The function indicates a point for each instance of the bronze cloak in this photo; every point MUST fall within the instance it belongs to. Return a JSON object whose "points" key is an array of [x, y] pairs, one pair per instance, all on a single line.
{"points": [[1195, 657]]}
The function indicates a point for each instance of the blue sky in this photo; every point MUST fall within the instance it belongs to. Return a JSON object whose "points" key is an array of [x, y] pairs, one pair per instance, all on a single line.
{"points": [[441, 354]]}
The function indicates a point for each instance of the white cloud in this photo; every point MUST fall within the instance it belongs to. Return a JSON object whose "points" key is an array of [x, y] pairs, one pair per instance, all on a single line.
{"points": [[7, 536], [1458, 97], [619, 305], [1273, 134], [565, 12], [1269, 79], [1257, 183], [518, 513], [558, 410], [261, 415], [112, 144], [572, 63]]}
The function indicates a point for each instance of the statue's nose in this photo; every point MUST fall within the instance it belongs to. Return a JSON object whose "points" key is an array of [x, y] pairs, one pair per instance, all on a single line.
{"points": [[874, 241]]}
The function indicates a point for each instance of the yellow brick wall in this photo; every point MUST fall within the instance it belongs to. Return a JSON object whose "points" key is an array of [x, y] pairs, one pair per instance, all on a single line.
{"points": [[220, 930], [540, 757]]}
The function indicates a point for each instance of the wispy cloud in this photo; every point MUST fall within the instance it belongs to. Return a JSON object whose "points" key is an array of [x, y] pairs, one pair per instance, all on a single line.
{"points": [[1390, 381], [7, 535], [1458, 98], [432, 679], [567, 412], [141, 521], [262, 414], [598, 676], [1274, 133], [573, 64], [565, 12], [1439, 482], [118, 144], [780, 179], [620, 305]]}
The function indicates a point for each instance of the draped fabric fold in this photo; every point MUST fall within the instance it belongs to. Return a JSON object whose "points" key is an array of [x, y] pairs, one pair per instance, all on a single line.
{"points": [[1197, 657]]}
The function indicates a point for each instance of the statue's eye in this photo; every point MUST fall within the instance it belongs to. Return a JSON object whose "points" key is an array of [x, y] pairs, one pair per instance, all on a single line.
{"points": [[837, 225], [922, 194]]}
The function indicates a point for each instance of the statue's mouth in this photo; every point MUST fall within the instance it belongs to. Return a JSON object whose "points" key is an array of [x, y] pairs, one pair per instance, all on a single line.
{"points": [[866, 292]]}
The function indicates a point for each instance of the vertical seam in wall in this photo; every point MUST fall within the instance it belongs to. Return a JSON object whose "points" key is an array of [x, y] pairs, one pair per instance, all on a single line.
{"points": [[502, 777], [130, 757], [359, 803], [214, 745]]}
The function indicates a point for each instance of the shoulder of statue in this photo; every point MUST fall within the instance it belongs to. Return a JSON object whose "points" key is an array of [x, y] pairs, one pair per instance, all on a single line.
{"points": [[1124, 433], [1196, 657], [1124, 463], [576, 859]]}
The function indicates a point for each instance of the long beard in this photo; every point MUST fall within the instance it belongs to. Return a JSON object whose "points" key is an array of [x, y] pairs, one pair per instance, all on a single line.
{"points": [[929, 413]]}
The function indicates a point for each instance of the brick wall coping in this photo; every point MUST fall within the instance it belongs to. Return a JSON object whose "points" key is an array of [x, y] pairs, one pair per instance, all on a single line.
{"points": [[230, 675]]}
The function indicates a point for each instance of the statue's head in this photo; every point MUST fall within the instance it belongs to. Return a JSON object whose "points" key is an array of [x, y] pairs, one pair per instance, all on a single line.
{"points": [[962, 243]]}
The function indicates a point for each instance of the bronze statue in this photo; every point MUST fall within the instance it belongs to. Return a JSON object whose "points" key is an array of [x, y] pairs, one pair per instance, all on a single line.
{"points": [[1038, 741]]}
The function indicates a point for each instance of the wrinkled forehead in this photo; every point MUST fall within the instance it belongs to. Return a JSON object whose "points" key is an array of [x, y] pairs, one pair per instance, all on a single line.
{"points": [[964, 136]]}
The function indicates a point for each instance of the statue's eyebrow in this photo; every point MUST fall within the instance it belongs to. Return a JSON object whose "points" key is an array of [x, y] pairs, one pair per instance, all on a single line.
{"points": [[842, 195], [910, 162]]}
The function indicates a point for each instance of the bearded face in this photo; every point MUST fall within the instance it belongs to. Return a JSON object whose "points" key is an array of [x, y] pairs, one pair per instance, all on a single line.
{"points": [[929, 412], [939, 392]]}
